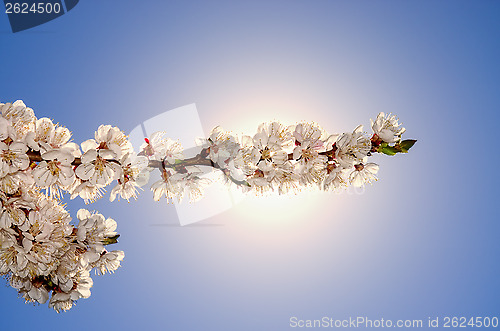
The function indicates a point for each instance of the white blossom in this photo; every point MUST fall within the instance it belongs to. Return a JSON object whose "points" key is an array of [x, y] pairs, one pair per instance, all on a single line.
{"points": [[267, 147], [85, 190], [337, 177], [387, 128], [93, 230], [285, 178], [312, 171], [11, 214], [98, 167], [159, 148], [222, 146], [352, 147], [61, 301], [363, 173], [133, 170], [13, 158], [109, 262], [6, 129], [193, 186], [21, 117], [170, 185], [260, 183], [11, 183], [38, 294], [55, 170], [48, 136], [112, 138], [309, 140]]}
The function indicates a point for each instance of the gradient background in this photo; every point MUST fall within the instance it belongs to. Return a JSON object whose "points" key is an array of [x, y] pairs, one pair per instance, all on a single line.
{"points": [[423, 241]]}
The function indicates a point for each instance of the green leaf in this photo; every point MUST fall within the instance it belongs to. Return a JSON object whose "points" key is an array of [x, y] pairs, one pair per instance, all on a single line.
{"points": [[111, 240], [407, 144], [388, 150]]}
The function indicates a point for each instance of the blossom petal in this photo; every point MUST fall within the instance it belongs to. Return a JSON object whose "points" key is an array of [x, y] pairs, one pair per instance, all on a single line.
{"points": [[85, 171], [89, 156], [88, 145]]}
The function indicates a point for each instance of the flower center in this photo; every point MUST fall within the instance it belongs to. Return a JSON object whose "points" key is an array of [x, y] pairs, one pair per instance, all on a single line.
{"points": [[54, 167], [100, 164], [308, 154], [8, 155], [266, 154], [330, 167], [258, 173], [359, 167]]}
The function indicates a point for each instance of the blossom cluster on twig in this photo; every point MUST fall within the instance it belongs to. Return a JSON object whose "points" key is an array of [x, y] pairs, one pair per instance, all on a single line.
{"points": [[277, 158], [42, 254], [48, 258]]}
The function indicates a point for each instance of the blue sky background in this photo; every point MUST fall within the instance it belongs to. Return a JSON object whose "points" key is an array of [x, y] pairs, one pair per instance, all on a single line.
{"points": [[422, 242]]}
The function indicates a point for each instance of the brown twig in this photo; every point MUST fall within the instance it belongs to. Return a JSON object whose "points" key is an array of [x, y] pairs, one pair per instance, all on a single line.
{"points": [[198, 160]]}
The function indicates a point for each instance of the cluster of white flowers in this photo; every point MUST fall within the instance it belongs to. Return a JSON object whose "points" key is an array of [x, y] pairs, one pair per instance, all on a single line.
{"points": [[280, 158], [46, 258], [173, 184], [42, 254]]}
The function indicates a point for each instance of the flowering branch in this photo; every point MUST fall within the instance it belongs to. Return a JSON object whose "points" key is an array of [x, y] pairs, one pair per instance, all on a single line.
{"points": [[47, 258]]}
